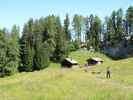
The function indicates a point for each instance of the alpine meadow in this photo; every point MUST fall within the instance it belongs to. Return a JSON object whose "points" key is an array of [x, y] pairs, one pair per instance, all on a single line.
{"points": [[66, 54]]}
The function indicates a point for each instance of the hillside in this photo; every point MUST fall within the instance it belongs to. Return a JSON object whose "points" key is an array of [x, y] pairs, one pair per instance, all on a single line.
{"points": [[55, 83]]}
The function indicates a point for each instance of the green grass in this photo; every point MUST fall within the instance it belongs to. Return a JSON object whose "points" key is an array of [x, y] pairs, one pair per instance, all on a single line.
{"points": [[56, 83]]}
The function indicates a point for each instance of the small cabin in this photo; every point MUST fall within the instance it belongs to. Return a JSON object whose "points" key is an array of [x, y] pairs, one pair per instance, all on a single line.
{"points": [[94, 61], [69, 63]]}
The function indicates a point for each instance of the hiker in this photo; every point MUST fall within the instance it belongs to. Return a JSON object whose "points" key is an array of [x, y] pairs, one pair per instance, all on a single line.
{"points": [[108, 73]]}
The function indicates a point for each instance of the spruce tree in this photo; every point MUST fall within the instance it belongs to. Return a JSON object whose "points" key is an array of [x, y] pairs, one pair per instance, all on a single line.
{"points": [[27, 47], [66, 28], [41, 59], [129, 18], [77, 26], [61, 48]]}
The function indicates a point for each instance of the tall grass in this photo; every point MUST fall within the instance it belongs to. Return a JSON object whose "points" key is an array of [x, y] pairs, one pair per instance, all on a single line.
{"points": [[55, 83]]}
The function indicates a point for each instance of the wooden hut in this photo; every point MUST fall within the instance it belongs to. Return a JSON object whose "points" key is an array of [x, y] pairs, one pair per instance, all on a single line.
{"points": [[94, 61], [69, 63]]}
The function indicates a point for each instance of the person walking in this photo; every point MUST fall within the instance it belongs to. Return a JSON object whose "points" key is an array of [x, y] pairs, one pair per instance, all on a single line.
{"points": [[108, 73]]}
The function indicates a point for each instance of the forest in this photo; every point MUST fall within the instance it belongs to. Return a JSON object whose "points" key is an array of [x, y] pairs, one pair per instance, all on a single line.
{"points": [[48, 39]]}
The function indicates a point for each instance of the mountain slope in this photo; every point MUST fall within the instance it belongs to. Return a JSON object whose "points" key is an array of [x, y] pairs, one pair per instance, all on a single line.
{"points": [[72, 84]]}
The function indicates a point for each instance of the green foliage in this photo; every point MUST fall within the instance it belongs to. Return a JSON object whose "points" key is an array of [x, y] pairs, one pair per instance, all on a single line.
{"points": [[9, 51], [47, 39], [78, 26], [42, 40], [27, 49], [76, 44], [129, 18], [41, 58], [72, 47], [93, 38], [115, 31], [66, 28], [61, 48]]}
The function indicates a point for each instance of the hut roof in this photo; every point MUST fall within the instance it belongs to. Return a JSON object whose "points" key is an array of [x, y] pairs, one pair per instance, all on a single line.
{"points": [[96, 59], [72, 61]]}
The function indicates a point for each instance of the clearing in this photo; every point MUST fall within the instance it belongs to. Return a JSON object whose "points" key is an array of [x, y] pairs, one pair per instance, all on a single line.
{"points": [[55, 83]]}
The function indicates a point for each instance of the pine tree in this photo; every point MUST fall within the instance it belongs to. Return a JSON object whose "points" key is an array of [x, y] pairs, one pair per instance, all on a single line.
{"points": [[97, 32], [66, 28], [129, 18], [26, 55], [3, 49], [41, 46], [9, 51], [77, 26], [41, 59], [27, 47], [61, 48], [120, 31], [87, 29], [13, 49]]}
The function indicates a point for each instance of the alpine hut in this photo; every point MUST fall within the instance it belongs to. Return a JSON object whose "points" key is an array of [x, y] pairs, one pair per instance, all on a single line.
{"points": [[94, 61], [69, 63]]}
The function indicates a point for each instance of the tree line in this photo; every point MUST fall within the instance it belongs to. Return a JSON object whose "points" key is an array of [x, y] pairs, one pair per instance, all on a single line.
{"points": [[47, 39]]}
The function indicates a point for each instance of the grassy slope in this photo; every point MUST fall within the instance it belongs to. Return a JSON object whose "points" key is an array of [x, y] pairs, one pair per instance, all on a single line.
{"points": [[72, 84]]}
